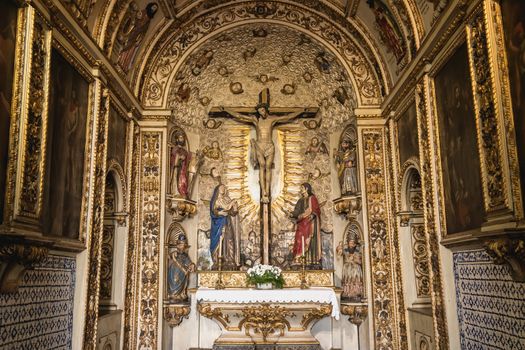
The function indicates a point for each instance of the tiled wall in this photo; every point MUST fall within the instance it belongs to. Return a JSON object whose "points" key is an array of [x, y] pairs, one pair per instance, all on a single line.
{"points": [[491, 306], [40, 314]]}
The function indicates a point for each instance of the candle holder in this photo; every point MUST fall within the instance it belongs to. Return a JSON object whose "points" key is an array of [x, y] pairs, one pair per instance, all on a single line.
{"points": [[219, 284], [304, 285]]}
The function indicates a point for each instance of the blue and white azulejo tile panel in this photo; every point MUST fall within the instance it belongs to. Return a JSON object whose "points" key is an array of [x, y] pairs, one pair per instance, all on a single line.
{"points": [[491, 306], [40, 314]]}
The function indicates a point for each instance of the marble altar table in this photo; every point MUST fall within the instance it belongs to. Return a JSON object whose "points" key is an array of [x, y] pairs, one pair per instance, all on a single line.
{"points": [[261, 319]]}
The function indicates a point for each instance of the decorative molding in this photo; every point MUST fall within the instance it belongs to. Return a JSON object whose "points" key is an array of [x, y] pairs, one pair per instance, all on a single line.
{"points": [[385, 324], [175, 314], [95, 238], [426, 121], [509, 251]]}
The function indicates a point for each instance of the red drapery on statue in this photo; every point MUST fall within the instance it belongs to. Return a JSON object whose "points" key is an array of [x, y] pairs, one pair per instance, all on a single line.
{"points": [[309, 227]]}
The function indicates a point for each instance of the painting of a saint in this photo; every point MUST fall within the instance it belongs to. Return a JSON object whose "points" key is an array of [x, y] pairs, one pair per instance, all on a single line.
{"points": [[513, 16], [458, 143], [389, 31], [66, 139], [407, 138], [7, 57], [307, 215], [225, 229], [132, 32]]}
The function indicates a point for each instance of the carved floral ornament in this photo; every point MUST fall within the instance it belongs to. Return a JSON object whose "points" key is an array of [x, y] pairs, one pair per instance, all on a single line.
{"points": [[165, 58]]}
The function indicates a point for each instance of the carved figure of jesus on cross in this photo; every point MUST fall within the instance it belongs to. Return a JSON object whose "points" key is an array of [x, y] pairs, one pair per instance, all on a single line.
{"points": [[264, 119]]}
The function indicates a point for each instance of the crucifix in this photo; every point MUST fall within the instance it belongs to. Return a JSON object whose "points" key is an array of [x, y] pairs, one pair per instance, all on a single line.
{"points": [[264, 119]]}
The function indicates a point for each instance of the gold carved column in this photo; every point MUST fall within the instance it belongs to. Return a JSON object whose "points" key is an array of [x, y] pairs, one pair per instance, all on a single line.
{"points": [[149, 228], [386, 321], [428, 157], [95, 232]]}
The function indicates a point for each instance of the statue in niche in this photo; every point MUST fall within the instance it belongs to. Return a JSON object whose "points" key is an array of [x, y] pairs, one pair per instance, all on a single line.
{"points": [[346, 161], [263, 146], [179, 265], [132, 32], [350, 251], [183, 166], [307, 242], [225, 230], [316, 147], [213, 152]]}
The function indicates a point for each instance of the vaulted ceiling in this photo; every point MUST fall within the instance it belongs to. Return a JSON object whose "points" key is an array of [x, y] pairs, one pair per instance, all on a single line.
{"points": [[146, 39]]}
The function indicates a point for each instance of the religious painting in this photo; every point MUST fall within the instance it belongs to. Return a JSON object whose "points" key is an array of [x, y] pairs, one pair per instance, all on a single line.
{"points": [[407, 139], [460, 161], [131, 33], [513, 16], [117, 137], [8, 21], [66, 143], [389, 31]]}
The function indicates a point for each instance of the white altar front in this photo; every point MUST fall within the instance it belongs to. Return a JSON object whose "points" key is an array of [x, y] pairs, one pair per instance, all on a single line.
{"points": [[263, 317]]}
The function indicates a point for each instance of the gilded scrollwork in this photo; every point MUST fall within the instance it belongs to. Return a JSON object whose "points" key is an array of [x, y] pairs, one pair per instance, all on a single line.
{"points": [[175, 314], [509, 251], [265, 320], [15, 259], [356, 312], [316, 314], [213, 313], [420, 259]]}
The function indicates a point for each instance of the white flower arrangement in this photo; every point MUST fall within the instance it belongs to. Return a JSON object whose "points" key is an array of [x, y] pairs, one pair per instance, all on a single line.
{"points": [[266, 274]]}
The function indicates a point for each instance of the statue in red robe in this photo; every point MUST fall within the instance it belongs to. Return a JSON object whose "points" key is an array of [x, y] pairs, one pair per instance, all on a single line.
{"points": [[307, 214], [179, 163]]}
